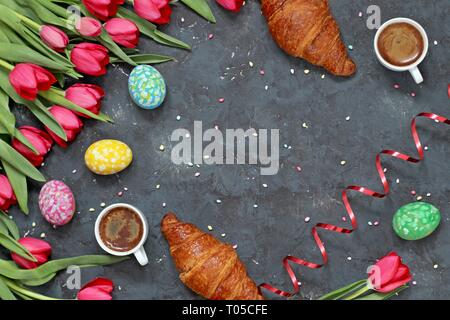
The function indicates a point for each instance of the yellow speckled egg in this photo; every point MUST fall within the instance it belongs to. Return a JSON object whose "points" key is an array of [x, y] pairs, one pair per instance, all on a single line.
{"points": [[106, 157]]}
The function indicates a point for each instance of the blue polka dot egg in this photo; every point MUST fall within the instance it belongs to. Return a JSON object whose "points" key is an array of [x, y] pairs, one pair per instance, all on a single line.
{"points": [[147, 87]]}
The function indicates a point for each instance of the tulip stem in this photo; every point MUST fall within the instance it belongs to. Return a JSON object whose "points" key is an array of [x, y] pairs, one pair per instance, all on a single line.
{"points": [[16, 288], [357, 293], [6, 65], [29, 22]]}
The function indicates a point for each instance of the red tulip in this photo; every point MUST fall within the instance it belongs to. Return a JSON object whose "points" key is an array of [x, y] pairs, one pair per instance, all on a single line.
{"points": [[53, 37], [27, 79], [90, 58], [97, 289], [7, 196], [89, 27], [103, 9], [40, 140], [448, 91], [231, 5], [123, 31], [87, 96], [69, 121], [39, 249], [389, 273], [157, 11]]}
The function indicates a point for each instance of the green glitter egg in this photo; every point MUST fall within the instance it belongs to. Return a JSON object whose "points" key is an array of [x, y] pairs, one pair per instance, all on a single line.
{"points": [[416, 220]]}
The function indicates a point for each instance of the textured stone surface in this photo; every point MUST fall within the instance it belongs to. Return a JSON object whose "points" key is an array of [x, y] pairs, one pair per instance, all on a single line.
{"points": [[379, 118]]}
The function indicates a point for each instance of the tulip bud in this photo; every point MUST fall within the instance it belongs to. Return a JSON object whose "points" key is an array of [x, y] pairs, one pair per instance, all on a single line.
{"points": [[123, 31], [7, 196], [53, 37], [87, 96], [98, 289], [39, 249], [69, 121], [90, 58], [89, 27], [40, 140], [389, 273], [104, 9], [156, 11], [27, 79], [231, 5]]}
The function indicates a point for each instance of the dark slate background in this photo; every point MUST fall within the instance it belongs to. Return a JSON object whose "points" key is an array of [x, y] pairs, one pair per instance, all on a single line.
{"points": [[380, 117]]}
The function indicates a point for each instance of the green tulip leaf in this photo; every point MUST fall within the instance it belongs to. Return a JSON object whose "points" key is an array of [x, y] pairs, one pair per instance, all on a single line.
{"points": [[3, 228], [146, 58], [202, 8], [11, 271], [383, 296], [5, 292], [342, 292], [106, 40], [47, 119], [3, 36], [149, 29], [23, 53], [10, 34], [57, 97], [39, 281], [19, 184], [17, 161], [12, 245], [10, 225], [36, 107], [56, 9], [45, 14]]}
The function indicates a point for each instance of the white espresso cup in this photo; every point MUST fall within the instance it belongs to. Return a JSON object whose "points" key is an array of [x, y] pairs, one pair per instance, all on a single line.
{"points": [[138, 250], [412, 68]]}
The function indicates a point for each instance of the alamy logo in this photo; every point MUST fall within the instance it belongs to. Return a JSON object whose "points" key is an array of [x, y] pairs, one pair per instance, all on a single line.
{"points": [[235, 146]]}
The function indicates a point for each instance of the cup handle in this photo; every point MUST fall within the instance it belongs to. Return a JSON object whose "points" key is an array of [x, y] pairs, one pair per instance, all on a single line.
{"points": [[141, 256], [416, 75]]}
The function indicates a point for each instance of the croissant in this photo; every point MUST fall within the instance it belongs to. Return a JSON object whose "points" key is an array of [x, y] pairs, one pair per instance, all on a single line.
{"points": [[207, 266], [306, 29]]}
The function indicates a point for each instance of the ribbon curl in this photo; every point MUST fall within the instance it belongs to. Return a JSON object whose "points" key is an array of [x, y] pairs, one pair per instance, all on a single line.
{"points": [[365, 191]]}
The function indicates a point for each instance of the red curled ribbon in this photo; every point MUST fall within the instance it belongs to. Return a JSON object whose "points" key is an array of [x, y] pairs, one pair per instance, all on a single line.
{"points": [[365, 191]]}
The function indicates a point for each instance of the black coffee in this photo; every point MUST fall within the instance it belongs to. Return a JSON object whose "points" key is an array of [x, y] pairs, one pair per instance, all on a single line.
{"points": [[121, 229]]}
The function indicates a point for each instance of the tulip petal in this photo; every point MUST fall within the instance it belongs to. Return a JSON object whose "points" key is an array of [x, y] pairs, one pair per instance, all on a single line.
{"points": [[104, 283], [97, 289], [231, 5], [394, 285], [166, 13], [161, 3], [40, 249], [147, 9], [93, 294], [89, 27], [38, 138], [388, 268], [37, 246], [24, 263], [90, 58], [6, 190], [23, 80], [66, 118]]}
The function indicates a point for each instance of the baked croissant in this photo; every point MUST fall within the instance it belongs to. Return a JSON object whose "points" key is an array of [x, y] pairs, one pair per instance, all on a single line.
{"points": [[306, 29], [207, 266]]}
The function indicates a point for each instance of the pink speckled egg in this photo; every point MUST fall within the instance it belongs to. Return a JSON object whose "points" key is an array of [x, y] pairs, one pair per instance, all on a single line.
{"points": [[57, 203]]}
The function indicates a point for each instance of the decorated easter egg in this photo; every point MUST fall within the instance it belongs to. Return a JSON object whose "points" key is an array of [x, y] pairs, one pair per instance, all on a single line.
{"points": [[147, 87], [416, 220], [57, 203], [106, 157]]}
